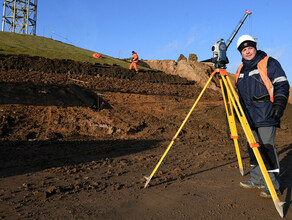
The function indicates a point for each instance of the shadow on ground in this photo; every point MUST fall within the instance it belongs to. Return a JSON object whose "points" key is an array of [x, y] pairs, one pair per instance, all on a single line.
{"points": [[24, 157]]}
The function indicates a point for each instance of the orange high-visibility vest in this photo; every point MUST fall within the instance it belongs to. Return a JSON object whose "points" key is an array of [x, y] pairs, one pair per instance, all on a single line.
{"points": [[135, 57], [263, 71]]}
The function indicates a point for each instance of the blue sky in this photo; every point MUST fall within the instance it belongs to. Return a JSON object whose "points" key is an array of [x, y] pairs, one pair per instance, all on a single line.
{"points": [[164, 29]]}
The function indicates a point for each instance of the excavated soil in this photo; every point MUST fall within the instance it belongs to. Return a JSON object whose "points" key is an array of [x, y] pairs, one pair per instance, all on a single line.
{"points": [[60, 158]]}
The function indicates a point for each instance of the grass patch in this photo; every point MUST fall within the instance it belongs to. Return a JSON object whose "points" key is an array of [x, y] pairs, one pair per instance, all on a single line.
{"points": [[13, 43]]}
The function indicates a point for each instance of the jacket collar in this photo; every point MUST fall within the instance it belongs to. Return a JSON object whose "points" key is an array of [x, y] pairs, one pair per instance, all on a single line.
{"points": [[248, 64]]}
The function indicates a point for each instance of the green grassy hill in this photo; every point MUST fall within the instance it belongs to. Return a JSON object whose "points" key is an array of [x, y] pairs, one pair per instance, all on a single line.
{"points": [[12, 43]]}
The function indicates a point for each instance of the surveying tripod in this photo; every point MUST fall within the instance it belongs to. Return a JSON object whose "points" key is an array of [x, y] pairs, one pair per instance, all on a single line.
{"points": [[231, 102]]}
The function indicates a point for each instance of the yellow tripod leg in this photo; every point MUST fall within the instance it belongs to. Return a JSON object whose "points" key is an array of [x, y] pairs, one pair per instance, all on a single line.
{"points": [[277, 202], [179, 130], [253, 144], [232, 126]]}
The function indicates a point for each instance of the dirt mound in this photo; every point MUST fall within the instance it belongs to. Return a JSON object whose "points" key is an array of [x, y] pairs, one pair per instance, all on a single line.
{"points": [[190, 69], [56, 151], [18, 87], [30, 63], [290, 97]]}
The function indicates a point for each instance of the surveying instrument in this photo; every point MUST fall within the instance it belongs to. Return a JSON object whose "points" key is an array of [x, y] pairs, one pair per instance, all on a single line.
{"points": [[231, 103]]}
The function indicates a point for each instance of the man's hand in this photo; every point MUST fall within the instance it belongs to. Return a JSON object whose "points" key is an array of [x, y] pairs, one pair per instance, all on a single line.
{"points": [[277, 112]]}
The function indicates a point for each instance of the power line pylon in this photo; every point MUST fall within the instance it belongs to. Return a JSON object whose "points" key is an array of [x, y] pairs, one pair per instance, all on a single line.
{"points": [[19, 16]]}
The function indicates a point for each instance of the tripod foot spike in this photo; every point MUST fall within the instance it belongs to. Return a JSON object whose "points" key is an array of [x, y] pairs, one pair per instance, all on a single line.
{"points": [[279, 206], [241, 171], [148, 178]]}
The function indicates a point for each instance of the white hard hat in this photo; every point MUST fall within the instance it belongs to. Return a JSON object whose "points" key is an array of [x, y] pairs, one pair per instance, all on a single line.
{"points": [[248, 38]]}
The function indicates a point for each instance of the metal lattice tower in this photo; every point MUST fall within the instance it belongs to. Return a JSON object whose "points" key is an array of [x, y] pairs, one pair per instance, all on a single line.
{"points": [[19, 16]]}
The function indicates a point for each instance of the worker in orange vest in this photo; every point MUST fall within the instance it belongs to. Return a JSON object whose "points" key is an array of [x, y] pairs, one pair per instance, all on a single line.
{"points": [[135, 60]]}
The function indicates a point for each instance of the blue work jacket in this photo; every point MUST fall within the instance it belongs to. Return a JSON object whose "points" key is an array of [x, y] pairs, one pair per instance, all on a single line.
{"points": [[253, 94]]}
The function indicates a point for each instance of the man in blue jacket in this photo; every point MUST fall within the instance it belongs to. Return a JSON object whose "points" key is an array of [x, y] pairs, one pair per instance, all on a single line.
{"points": [[263, 104]]}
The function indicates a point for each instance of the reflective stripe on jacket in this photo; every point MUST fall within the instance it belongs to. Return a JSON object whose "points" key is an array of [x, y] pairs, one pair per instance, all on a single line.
{"points": [[263, 71]]}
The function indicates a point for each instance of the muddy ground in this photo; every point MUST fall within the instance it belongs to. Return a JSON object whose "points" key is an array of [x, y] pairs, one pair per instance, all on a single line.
{"points": [[62, 159]]}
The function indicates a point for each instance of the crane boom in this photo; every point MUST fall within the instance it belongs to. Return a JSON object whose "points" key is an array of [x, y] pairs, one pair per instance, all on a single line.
{"points": [[247, 13], [219, 49]]}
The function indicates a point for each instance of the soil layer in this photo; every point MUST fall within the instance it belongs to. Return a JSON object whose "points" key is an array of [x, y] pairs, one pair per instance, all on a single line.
{"points": [[62, 159]]}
